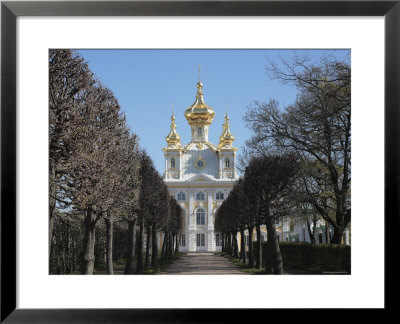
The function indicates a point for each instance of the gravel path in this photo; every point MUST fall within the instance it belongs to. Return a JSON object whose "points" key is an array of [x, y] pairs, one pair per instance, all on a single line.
{"points": [[202, 264]]}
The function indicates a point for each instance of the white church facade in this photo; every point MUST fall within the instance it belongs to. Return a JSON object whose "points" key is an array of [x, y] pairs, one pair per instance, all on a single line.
{"points": [[199, 175]]}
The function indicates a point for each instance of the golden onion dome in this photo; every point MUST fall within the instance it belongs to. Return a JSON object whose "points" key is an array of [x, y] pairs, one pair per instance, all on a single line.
{"points": [[199, 112]]}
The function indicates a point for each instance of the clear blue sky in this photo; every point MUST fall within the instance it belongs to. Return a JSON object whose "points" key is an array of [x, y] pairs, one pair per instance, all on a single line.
{"points": [[147, 82]]}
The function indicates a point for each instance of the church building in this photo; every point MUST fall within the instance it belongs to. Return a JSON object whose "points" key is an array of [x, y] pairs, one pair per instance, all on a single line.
{"points": [[199, 175]]}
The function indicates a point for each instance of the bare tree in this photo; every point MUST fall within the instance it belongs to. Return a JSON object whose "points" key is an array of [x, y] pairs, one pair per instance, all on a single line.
{"points": [[317, 126], [69, 77]]}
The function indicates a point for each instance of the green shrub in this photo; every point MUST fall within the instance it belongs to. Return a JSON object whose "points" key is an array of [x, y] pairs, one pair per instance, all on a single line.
{"points": [[317, 258]]}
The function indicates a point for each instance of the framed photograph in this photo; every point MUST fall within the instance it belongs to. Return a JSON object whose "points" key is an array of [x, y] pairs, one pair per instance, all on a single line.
{"points": [[166, 38]]}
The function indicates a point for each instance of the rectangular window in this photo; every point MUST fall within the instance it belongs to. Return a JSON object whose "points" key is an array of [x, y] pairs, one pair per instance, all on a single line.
{"points": [[200, 196], [182, 240], [217, 240], [200, 240], [246, 240]]}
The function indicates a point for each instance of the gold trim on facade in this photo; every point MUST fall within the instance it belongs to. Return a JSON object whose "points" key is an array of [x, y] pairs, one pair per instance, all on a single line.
{"points": [[197, 185]]}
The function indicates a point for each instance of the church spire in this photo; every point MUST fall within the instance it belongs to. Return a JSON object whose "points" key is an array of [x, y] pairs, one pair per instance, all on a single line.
{"points": [[173, 139], [199, 74], [226, 139]]}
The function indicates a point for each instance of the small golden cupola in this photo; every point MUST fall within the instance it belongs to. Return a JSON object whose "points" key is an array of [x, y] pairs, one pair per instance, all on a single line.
{"points": [[226, 139], [173, 139], [199, 113]]}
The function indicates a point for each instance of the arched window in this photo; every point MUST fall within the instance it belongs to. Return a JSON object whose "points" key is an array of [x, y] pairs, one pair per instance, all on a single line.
{"points": [[227, 163], [199, 130], [200, 217], [219, 196], [200, 196], [181, 196], [172, 163]]}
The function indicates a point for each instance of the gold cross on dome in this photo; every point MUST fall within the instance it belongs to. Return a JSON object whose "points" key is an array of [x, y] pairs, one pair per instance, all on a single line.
{"points": [[199, 72]]}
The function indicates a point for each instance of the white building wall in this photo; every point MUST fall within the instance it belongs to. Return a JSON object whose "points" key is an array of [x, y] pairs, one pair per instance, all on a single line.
{"points": [[209, 178], [191, 156]]}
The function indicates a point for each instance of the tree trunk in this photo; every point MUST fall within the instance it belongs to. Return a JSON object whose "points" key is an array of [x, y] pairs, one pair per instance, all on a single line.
{"points": [[89, 242], [166, 245], [273, 249], [171, 244], [52, 206], [258, 251], [176, 243], [310, 232], [251, 253], [235, 246], [69, 250], [232, 245], [327, 234], [148, 236], [131, 247], [171, 247], [154, 251], [337, 235], [51, 226], [109, 257], [163, 246], [242, 247], [139, 266], [229, 244]]}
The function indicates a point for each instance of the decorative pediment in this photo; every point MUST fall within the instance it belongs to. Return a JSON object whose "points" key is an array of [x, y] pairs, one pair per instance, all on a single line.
{"points": [[201, 177]]}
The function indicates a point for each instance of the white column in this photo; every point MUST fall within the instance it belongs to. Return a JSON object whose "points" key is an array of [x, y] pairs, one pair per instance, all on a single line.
{"points": [[234, 164], [219, 166], [346, 236], [210, 223], [190, 216], [209, 208], [190, 232]]}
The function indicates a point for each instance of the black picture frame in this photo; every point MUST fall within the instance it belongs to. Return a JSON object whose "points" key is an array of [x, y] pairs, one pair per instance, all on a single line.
{"points": [[10, 10]]}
